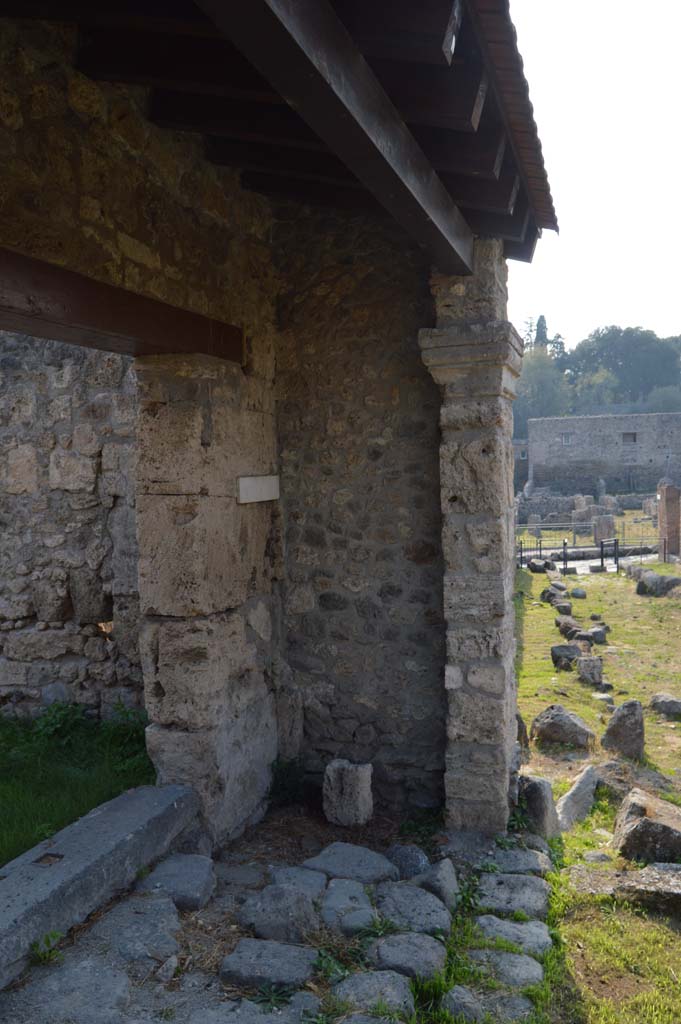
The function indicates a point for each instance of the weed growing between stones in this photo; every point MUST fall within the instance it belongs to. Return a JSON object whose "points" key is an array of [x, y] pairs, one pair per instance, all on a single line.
{"points": [[422, 829], [46, 950], [330, 1011], [59, 766], [273, 997]]}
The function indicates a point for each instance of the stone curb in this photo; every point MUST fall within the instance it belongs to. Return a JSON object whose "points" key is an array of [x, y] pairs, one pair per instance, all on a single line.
{"points": [[62, 880]]}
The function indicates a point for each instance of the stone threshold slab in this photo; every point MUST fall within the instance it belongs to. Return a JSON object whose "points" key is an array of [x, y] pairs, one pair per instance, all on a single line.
{"points": [[59, 882]]}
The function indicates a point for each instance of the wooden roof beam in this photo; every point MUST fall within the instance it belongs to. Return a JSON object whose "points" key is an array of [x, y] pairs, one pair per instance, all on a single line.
{"points": [[307, 55], [45, 301], [426, 34]]}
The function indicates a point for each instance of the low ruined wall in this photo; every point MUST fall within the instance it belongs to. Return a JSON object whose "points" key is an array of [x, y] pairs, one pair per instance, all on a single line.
{"points": [[359, 438], [597, 450], [68, 549]]}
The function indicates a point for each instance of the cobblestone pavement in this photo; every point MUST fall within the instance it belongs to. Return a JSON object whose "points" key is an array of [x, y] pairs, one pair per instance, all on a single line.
{"points": [[234, 941]]}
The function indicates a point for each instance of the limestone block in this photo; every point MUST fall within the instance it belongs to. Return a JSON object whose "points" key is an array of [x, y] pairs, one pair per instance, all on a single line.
{"points": [[197, 554], [477, 474], [197, 669], [228, 765], [290, 721], [51, 597], [13, 674], [31, 645], [347, 793], [21, 470], [122, 527], [72, 472]]}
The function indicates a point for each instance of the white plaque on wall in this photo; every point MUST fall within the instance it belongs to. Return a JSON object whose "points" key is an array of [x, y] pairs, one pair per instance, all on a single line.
{"points": [[257, 488]]}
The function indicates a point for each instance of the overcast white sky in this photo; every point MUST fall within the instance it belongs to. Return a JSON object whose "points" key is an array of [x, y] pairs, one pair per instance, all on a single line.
{"points": [[605, 81]]}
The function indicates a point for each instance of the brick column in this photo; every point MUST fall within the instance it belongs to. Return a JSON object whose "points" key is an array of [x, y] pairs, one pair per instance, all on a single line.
{"points": [[475, 357], [669, 518]]}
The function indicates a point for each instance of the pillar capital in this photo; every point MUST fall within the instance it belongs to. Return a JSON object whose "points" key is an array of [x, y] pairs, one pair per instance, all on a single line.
{"points": [[474, 358]]}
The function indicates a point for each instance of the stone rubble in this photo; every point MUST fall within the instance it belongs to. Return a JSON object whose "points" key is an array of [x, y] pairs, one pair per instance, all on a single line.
{"points": [[578, 801], [188, 879], [347, 793], [558, 725], [625, 734]]}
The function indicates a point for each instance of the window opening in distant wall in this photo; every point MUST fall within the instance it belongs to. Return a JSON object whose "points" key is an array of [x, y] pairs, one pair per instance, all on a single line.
{"points": [[566, 439], [629, 437]]}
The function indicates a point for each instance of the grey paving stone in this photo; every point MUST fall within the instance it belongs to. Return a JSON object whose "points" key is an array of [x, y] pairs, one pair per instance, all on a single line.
{"points": [[413, 954], [504, 894], [345, 860], [409, 859], [244, 876], [139, 928], [279, 912], [346, 906], [521, 862], [412, 908], [530, 936], [257, 962], [441, 880], [366, 989], [514, 969], [467, 1005], [187, 878], [311, 882], [301, 1006], [87, 991]]}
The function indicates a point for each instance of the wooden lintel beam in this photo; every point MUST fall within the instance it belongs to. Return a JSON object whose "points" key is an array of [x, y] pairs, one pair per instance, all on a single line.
{"points": [[479, 155], [308, 56], [45, 301], [523, 251]]}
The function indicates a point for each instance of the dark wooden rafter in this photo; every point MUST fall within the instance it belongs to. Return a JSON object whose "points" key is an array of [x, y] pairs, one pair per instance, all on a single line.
{"points": [[45, 301], [393, 32], [279, 89], [305, 52]]}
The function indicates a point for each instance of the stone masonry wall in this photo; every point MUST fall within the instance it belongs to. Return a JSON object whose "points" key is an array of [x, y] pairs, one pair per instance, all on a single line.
{"points": [[86, 182], [597, 450], [358, 430], [68, 549]]}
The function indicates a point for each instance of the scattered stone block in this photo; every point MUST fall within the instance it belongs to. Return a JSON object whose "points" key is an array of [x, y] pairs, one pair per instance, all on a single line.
{"points": [[257, 962], [247, 876], [653, 585], [658, 887], [346, 906], [441, 880], [504, 894], [563, 607], [625, 734], [366, 989], [589, 670], [412, 908], [345, 860], [409, 859], [648, 829], [564, 656], [531, 936], [413, 954], [606, 700], [464, 1004], [187, 878], [598, 634], [666, 705], [279, 912], [536, 796], [578, 801], [578, 593], [517, 970], [313, 883], [347, 793], [558, 725]]}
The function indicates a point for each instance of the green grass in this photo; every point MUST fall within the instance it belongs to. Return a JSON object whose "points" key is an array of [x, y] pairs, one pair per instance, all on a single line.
{"points": [[642, 657], [58, 767]]}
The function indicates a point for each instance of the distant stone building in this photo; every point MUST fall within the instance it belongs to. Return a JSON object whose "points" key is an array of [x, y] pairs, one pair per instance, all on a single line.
{"points": [[520, 464], [628, 452]]}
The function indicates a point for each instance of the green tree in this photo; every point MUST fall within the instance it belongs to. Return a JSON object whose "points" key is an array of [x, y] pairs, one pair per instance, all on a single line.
{"points": [[637, 359], [542, 390], [666, 399], [541, 337], [593, 393]]}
